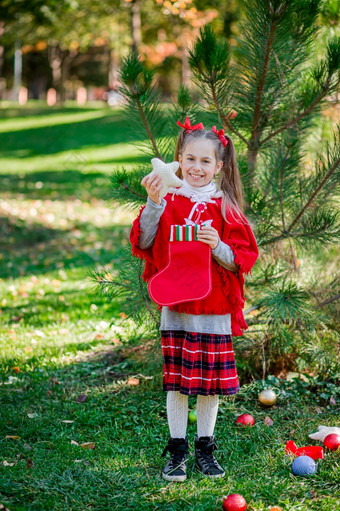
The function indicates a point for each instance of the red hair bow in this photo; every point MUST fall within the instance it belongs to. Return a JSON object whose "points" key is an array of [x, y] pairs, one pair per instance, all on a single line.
{"points": [[220, 135], [187, 125]]}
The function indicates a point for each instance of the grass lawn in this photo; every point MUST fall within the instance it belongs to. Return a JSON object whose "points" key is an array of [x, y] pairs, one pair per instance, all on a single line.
{"points": [[82, 414]]}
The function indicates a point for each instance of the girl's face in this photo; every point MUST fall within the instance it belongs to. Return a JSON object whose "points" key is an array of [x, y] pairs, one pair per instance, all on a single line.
{"points": [[198, 162]]}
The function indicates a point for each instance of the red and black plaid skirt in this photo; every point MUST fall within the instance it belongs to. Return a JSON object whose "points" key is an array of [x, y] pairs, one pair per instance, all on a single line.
{"points": [[195, 363]]}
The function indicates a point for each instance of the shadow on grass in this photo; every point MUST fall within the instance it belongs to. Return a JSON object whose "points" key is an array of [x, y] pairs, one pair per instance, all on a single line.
{"points": [[37, 110], [36, 249], [49, 140], [78, 183]]}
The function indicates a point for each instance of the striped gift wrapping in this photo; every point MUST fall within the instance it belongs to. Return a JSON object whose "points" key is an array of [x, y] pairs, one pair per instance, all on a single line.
{"points": [[184, 232]]}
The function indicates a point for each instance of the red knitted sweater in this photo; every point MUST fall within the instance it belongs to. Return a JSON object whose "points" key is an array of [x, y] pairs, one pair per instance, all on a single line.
{"points": [[227, 296]]}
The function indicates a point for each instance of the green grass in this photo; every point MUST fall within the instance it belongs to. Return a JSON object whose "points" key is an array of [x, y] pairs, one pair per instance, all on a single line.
{"points": [[58, 341]]}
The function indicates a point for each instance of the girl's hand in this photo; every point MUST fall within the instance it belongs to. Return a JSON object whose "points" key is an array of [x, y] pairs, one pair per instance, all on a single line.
{"points": [[153, 186], [208, 235]]}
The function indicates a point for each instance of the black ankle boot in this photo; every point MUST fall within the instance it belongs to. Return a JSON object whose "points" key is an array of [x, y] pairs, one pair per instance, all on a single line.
{"points": [[176, 467], [205, 459]]}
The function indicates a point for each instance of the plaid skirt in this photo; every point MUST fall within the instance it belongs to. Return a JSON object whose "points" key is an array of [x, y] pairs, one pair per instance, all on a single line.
{"points": [[195, 363]]}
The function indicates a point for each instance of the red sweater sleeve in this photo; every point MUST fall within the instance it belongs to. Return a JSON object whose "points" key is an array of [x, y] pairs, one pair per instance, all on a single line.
{"points": [[142, 253], [240, 238]]}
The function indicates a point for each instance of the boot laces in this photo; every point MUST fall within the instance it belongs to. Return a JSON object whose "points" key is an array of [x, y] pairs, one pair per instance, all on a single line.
{"points": [[178, 454], [207, 455]]}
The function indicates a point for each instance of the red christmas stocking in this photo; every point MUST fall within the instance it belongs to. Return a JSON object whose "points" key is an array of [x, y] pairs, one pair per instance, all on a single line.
{"points": [[187, 276]]}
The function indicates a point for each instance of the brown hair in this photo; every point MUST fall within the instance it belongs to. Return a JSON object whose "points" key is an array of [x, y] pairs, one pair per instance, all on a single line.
{"points": [[229, 177]]}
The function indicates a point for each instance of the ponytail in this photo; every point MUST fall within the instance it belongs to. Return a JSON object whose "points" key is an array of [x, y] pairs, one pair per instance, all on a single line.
{"points": [[230, 181]]}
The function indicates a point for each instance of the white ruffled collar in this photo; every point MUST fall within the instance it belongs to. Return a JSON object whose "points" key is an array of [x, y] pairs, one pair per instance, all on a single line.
{"points": [[204, 193]]}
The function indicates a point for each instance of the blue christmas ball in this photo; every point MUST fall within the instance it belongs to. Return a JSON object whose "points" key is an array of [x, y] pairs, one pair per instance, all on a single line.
{"points": [[304, 466]]}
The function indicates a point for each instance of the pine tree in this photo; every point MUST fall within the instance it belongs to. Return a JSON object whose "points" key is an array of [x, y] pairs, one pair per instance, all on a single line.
{"points": [[268, 95]]}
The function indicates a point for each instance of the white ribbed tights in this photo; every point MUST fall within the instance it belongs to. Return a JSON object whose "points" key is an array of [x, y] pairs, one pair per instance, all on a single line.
{"points": [[177, 410]]}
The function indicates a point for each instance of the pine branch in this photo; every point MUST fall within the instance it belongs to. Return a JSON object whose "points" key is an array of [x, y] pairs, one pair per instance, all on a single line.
{"points": [[323, 74], [147, 127], [234, 130], [314, 194], [326, 302], [294, 121], [282, 169], [126, 187], [259, 90]]}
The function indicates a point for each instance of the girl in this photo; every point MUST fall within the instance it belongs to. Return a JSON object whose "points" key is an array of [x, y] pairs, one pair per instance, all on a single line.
{"points": [[197, 350]]}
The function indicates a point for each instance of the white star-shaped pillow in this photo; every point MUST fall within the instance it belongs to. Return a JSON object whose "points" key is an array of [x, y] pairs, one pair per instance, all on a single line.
{"points": [[167, 173], [323, 431]]}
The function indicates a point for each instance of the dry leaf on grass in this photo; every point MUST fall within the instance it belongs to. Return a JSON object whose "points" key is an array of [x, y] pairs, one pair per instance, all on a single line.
{"points": [[29, 463], [13, 437], [73, 442], [6, 464], [268, 421], [68, 422], [133, 381], [88, 445], [81, 398]]}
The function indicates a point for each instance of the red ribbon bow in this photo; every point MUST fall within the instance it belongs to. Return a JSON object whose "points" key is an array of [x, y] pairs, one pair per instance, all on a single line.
{"points": [[187, 125], [220, 135]]}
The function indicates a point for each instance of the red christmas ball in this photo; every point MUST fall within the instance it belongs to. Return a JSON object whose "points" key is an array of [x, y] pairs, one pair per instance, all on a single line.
{"points": [[245, 420], [332, 442], [234, 502]]}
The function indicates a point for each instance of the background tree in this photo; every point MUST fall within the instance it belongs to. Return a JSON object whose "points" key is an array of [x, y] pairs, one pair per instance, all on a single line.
{"points": [[278, 97]]}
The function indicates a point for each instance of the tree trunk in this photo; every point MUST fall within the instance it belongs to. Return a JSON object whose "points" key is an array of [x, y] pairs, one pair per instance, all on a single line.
{"points": [[2, 57], [17, 70], [2, 50], [55, 60], [253, 151], [185, 67], [65, 71], [113, 66], [136, 25]]}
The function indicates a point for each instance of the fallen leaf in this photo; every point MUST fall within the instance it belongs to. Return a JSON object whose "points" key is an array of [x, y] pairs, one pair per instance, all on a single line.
{"points": [[67, 422], [81, 398], [29, 463], [3, 508], [16, 369], [99, 336], [12, 437], [123, 315], [73, 442], [133, 381], [6, 464], [268, 421], [88, 445]]}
